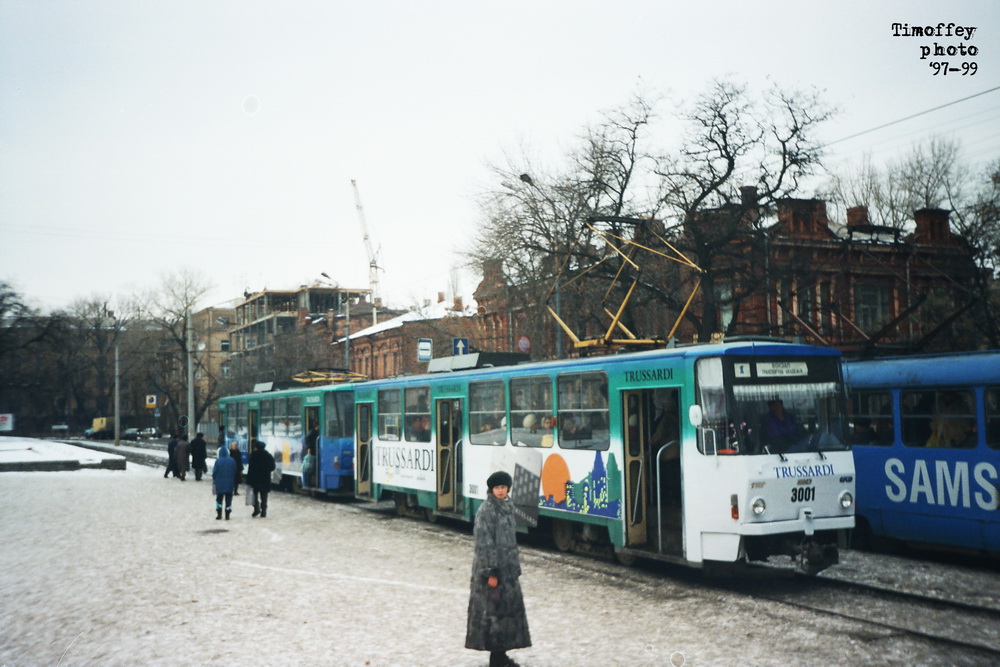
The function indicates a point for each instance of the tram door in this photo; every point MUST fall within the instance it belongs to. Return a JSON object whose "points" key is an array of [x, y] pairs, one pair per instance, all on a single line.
{"points": [[635, 430], [363, 455], [449, 469], [312, 426], [253, 428]]}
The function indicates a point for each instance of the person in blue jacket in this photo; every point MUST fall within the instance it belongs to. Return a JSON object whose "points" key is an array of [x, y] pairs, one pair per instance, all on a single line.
{"points": [[224, 480]]}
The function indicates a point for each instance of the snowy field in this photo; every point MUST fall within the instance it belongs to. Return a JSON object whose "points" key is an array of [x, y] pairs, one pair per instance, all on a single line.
{"points": [[127, 568]]}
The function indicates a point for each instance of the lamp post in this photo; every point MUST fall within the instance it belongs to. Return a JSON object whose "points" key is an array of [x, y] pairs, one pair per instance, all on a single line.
{"points": [[347, 313]]}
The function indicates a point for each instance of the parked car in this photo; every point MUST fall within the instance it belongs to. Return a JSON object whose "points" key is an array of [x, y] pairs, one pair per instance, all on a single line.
{"points": [[149, 433], [130, 434]]}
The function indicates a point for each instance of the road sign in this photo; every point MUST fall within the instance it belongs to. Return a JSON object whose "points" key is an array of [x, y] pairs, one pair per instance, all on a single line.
{"points": [[425, 349], [459, 346], [150, 401], [524, 343]]}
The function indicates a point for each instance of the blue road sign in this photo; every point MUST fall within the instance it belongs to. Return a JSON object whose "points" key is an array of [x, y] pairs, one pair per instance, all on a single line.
{"points": [[425, 349], [459, 346]]}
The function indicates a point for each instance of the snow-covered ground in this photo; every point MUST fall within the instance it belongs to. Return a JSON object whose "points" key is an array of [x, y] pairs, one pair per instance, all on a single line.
{"points": [[128, 568]]}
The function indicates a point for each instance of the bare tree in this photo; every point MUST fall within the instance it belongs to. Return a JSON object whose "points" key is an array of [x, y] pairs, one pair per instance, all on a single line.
{"points": [[168, 307], [617, 197], [934, 175]]}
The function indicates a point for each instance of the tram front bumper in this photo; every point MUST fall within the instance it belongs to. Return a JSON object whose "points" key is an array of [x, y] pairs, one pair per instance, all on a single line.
{"points": [[806, 523]]}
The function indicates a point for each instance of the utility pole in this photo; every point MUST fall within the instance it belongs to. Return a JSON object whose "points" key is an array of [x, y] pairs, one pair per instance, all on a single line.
{"points": [[118, 424], [190, 375]]}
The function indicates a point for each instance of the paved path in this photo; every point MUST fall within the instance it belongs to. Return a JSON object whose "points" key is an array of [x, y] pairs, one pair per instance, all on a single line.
{"points": [[125, 567]]}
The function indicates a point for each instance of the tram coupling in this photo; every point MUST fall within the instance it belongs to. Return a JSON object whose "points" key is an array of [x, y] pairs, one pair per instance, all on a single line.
{"points": [[814, 557]]}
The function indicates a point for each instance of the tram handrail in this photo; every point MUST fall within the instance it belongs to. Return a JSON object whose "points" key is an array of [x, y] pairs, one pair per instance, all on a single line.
{"points": [[638, 493], [659, 496], [446, 468]]}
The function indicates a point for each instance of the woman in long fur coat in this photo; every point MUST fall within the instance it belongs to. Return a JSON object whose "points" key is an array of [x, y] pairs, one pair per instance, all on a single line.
{"points": [[497, 621]]}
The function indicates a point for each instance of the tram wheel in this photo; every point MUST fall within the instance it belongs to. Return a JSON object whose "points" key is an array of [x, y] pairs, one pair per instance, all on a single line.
{"points": [[430, 515], [626, 559], [563, 535]]}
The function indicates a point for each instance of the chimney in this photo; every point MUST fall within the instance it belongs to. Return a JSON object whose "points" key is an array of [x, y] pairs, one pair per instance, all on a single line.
{"points": [[932, 225], [440, 297], [803, 217], [748, 195], [857, 216], [458, 304]]}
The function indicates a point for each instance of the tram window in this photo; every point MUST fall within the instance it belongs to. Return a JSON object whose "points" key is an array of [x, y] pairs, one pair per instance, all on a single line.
{"points": [[266, 417], [870, 414], [294, 419], [993, 418], [241, 420], [531, 420], [390, 413], [487, 413], [418, 414], [941, 418], [278, 424], [583, 411], [339, 409]]}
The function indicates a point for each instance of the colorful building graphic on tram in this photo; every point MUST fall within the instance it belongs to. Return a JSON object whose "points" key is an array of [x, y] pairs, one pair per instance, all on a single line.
{"points": [[597, 494]]}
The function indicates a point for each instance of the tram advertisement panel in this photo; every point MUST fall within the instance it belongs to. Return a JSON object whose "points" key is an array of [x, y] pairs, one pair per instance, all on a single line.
{"points": [[525, 468], [406, 464]]}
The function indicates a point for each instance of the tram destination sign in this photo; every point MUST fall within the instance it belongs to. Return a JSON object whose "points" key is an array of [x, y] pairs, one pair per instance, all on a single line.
{"points": [[782, 369]]}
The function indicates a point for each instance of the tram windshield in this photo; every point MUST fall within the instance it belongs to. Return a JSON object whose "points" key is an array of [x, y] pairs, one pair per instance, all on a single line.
{"points": [[770, 406]]}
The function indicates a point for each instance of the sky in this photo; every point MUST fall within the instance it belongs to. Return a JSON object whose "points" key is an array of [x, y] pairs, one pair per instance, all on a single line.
{"points": [[144, 139]]}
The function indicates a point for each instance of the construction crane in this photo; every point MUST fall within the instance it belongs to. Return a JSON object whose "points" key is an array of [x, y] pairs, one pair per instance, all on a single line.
{"points": [[373, 259]]}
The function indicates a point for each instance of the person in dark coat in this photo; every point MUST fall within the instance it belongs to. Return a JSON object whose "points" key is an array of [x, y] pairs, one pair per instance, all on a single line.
{"points": [[199, 453], [183, 456], [224, 479], [259, 470], [237, 455], [171, 456], [497, 620]]}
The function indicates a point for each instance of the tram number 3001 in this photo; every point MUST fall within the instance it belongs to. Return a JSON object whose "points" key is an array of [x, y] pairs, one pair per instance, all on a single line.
{"points": [[803, 494]]}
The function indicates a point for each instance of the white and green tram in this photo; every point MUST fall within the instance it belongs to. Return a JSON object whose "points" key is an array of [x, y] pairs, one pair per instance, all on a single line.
{"points": [[702, 455]]}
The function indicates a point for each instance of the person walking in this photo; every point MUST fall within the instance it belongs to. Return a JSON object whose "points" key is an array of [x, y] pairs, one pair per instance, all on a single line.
{"points": [[171, 456], [183, 456], [223, 481], [237, 455], [259, 470], [199, 453], [309, 469], [497, 621]]}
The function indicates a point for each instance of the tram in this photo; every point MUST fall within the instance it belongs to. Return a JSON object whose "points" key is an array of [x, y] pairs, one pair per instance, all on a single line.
{"points": [[701, 455], [288, 422], [925, 431]]}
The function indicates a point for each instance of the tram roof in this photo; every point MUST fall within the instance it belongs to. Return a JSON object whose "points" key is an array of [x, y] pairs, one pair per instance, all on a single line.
{"points": [[697, 350], [944, 370]]}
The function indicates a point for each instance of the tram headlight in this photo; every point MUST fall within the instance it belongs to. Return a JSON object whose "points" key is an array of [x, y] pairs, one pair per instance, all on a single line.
{"points": [[758, 506], [846, 500]]}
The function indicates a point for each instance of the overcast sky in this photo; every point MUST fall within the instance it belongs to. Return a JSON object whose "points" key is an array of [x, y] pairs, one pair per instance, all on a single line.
{"points": [[139, 138]]}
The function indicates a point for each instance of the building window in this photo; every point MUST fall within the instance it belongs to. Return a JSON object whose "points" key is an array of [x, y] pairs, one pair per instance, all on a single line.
{"points": [[224, 345], [871, 306], [724, 303]]}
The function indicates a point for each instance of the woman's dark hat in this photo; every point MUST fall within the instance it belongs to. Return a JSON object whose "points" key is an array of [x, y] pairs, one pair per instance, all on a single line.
{"points": [[499, 478]]}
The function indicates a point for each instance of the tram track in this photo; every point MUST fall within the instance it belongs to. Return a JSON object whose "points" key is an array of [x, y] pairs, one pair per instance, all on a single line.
{"points": [[970, 630]]}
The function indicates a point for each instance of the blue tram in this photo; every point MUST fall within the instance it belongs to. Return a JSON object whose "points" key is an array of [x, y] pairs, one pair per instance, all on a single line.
{"points": [[925, 431], [289, 422]]}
